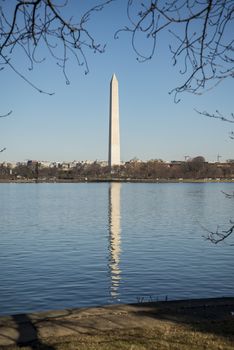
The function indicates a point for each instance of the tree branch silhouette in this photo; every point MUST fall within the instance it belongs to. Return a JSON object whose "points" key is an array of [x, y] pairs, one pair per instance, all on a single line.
{"points": [[217, 115], [202, 44], [38, 23], [220, 235], [5, 115], [35, 24]]}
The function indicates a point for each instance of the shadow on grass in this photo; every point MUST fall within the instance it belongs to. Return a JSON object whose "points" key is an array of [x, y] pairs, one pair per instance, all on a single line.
{"points": [[28, 335], [89, 327], [214, 316]]}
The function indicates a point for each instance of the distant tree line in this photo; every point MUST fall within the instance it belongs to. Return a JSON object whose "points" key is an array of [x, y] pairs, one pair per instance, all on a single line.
{"points": [[196, 168]]}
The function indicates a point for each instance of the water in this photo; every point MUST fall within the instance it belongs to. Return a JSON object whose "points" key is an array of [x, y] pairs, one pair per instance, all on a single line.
{"points": [[73, 245]]}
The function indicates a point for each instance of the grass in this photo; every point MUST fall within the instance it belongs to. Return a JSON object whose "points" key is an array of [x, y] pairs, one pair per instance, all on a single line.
{"points": [[206, 324], [167, 335]]}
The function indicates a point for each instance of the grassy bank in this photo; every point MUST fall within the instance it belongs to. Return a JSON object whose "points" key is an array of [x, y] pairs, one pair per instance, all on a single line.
{"points": [[176, 325]]}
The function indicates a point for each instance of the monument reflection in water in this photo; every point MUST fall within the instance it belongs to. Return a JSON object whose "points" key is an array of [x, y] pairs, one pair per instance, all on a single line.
{"points": [[114, 238]]}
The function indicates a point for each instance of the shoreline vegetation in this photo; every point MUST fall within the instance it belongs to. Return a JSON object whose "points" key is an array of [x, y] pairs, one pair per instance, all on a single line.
{"points": [[175, 325], [153, 171], [113, 179]]}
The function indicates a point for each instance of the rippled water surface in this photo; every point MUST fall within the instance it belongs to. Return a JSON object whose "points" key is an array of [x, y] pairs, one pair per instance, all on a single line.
{"points": [[72, 245]]}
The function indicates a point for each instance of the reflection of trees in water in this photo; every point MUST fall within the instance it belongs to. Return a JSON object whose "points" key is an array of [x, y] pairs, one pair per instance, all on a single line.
{"points": [[114, 237]]}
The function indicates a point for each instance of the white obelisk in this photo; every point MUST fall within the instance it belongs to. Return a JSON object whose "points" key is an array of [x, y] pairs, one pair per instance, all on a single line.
{"points": [[114, 143]]}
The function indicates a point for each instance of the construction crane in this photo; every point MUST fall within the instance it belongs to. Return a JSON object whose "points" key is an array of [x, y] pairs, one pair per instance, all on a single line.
{"points": [[218, 158]]}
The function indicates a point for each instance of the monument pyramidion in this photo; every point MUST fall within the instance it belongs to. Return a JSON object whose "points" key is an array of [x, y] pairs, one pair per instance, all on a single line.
{"points": [[114, 139]]}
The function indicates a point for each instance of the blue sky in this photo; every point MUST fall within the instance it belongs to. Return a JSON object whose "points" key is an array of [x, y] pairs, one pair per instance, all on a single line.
{"points": [[73, 123]]}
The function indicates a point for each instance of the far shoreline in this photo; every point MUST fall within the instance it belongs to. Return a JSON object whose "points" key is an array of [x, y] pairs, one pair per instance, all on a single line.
{"points": [[109, 180]]}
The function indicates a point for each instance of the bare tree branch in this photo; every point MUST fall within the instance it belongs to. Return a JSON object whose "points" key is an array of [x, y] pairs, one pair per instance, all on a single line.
{"points": [[217, 115], [220, 116], [5, 115], [202, 32], [202, 44], [219, 235], [228, 195], [37, 23]]}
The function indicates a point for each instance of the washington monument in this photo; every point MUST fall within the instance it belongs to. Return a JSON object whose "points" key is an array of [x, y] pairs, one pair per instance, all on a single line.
{"points": [[114, 143]]}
